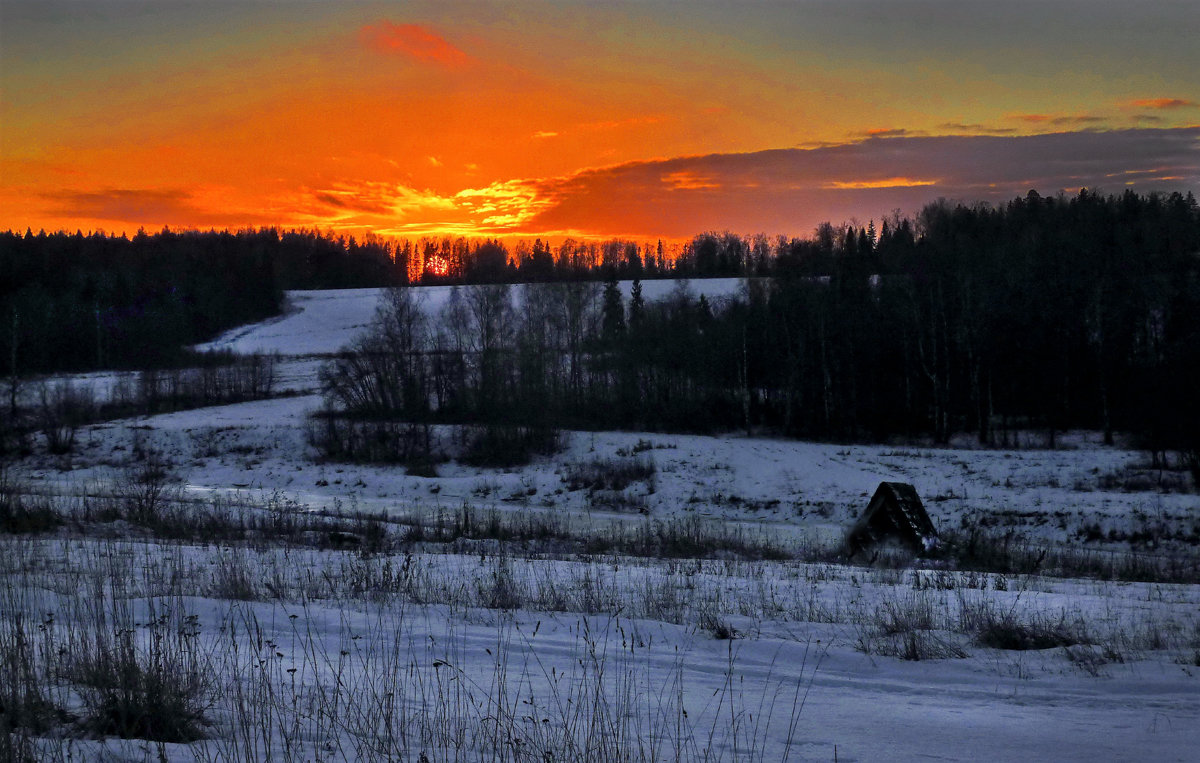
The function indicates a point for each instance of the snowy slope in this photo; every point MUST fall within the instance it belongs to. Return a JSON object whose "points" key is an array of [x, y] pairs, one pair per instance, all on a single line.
{"points": [[322, 322]]}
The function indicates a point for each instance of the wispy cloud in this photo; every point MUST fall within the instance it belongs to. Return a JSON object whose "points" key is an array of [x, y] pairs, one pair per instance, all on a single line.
{"points": [[502, 207], [393, 200], [896, 182], [974, 128], [1163, 103], [413, 41], [888, 132], [138, 206], [685, 180], [1060, 120]]}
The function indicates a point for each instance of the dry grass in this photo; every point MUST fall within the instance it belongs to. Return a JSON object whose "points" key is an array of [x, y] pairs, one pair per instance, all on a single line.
{"points": [[246, 632]]}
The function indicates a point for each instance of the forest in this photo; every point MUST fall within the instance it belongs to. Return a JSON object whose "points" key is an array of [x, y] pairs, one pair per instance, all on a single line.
{"points": [[1048, 313]]}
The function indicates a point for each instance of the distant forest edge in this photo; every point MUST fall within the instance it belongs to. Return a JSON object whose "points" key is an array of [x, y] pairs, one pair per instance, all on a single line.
{"points": [[1060, 311]]}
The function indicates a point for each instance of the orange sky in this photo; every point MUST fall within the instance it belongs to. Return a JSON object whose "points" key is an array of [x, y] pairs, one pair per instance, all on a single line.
{"points": [[521, 118]]}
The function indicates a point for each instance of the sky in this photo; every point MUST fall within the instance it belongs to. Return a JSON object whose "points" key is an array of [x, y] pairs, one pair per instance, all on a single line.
{"points": [[606, 119]]}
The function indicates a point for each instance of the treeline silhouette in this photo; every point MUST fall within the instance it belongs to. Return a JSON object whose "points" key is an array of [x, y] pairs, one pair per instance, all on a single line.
{"points": [[1079, 311], [76, 302], [1049, 313], [71, 302]]}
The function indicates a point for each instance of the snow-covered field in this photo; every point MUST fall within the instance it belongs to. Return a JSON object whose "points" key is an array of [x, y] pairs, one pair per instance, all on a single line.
{"points": [[486, 650], [322, 322], [1064, 495]]}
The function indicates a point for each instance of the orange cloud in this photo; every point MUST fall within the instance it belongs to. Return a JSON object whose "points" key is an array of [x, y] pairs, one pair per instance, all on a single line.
{"points": [[974, 128], [689, 181], [414, 41], [779, 190], [1058, 120], [122, 204], [346, 200], [897, 182], [791, 190], [503, 205], [153, 207], [1163, 103]]}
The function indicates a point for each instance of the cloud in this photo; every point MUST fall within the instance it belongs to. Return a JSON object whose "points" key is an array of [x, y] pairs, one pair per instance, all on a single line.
{"points": [[792, 190], [967, 128], [140, 206], [788, 190], [887, 132], [684, 180], [349, 203], [121, 204], [502, 207], [897, 182], [413, 41], [1163, 103], [1060, 120], [354, 200]]}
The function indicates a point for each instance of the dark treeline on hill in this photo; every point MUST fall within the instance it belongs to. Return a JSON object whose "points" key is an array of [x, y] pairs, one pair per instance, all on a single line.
{"points": [[72, 302], [1079, 311], [1042, 312]]}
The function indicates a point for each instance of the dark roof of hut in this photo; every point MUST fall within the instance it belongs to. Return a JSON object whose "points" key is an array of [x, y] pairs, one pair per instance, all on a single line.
{"points": [[894, 513]]}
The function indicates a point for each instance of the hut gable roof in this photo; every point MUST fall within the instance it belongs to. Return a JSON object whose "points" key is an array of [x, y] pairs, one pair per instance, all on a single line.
{"points": [[895, 512]]}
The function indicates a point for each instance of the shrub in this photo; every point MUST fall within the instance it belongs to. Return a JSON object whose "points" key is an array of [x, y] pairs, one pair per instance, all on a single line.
{"points": [[145, 487], [214, 377], [1012, 631], [609, 473], [907, 629], [62, 409], [1013, 634], [503, 446], [375, 441], [500, 590], [721, 629], [25, 706], [159, 690], [1012, 554], [19, 513], [233, 578]]}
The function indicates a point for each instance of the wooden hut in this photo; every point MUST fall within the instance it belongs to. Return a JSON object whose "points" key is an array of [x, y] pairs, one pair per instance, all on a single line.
{"points": [[894, 514]]}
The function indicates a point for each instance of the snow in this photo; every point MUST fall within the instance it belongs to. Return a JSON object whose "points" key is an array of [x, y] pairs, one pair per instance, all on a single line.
{"points": [[814, 488], [323, 322], [785, 678], [796, 682]]}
